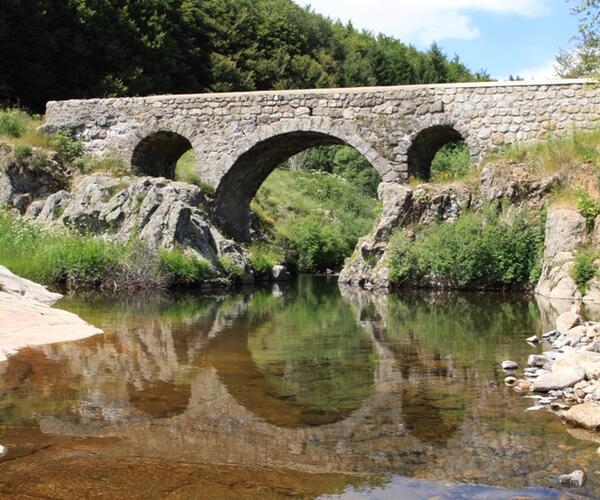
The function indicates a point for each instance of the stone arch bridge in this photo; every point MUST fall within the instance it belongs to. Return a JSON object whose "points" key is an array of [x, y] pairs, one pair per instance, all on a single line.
{"points": [[239, 138]]}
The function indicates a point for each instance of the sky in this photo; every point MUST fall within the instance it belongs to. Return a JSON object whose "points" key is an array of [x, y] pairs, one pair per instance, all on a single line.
{"points": [[504, 37]]}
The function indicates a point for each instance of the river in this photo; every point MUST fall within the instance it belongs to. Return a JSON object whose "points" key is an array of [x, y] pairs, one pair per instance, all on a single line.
{"points": [[301, 390]]}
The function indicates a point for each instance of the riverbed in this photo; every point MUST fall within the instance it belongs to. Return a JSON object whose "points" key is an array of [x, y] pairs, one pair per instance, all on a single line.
{"points": [[307, 389]]}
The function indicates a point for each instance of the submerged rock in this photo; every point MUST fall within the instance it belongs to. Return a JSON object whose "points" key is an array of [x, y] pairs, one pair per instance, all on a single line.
{"points": [[574, 480]]}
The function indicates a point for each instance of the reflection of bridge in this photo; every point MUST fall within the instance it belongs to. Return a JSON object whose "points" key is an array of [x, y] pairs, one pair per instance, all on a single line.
{"points": [[157, 390], [240, 138]]}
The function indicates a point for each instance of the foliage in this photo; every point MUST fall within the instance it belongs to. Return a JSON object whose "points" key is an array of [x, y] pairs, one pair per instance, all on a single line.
{"points": [[264, 257], [68, 148], [13, 122], [584, 267], [22, 151], [583, 60], [182, 268], [231, 270], [451, 162], [476, 250], [556, 152], [141, 47], [63, 256], [588, 207], [315, 218]]}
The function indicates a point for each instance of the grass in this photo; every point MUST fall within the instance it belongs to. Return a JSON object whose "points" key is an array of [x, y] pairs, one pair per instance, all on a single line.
{"points": [[556, 153], [18, 127], [264, 257], [313, 218], [61, 256], [451, 163]]}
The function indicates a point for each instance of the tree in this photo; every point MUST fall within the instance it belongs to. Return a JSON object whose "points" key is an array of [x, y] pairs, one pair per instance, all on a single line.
{"points": [[583, 60]]}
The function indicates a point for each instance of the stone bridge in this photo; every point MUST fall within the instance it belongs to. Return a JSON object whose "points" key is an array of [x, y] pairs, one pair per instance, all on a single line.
{"points": [[239, 138]]}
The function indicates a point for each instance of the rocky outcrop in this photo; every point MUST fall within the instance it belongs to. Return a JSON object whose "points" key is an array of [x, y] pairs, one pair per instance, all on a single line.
{"points": [[31, 175], [566, 233], [413, 207], [28, 319]]}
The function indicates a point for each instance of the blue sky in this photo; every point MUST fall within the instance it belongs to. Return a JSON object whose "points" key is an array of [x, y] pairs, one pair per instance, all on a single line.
{"points": [[502, 36]]}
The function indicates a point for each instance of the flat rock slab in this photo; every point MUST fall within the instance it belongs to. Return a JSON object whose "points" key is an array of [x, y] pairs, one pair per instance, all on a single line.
{"points": [[587, 361], [21, 287], [558, 379], [586, 415], [26, 322]]}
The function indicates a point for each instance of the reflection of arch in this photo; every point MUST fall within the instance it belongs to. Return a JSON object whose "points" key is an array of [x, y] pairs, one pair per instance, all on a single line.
{"points": [[157, 154], [425, 145], [265, 150]]}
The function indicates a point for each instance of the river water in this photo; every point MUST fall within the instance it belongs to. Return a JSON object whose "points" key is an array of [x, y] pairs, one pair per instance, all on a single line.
{"points": [[303, 390]]}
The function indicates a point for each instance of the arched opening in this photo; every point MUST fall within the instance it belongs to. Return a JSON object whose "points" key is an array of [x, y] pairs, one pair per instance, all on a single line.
{"points": [[158, 154], [241, 183], [423, 152]]}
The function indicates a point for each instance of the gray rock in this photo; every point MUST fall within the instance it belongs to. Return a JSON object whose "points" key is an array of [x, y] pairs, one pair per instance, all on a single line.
{"points": [[536, 360], [568, 320], [280, 273], [509, 365], [533, 340], [574, 480], [560, 379]]}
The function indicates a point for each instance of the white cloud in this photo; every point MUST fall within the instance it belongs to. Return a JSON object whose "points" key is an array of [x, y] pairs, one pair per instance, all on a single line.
{"points": [[546, 71], [421, 20]]}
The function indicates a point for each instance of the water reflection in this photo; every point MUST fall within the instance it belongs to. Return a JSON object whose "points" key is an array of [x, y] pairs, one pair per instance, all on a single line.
{"points": [[300, 381]]}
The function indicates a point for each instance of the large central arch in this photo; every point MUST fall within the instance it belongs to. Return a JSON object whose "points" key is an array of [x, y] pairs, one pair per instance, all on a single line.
{"points": [[254, 164]]}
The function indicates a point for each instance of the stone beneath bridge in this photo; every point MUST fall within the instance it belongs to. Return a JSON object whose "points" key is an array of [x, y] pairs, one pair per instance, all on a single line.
{"points": [[239, 138]]}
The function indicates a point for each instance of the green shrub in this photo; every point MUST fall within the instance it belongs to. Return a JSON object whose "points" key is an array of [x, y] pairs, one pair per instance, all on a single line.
{"points": [[13, 122], [68, 148], [21, 152], [451, 162], [584, 268], [588, 207], [311, 245], [264, 257], [182, 268], [231, 269], [475, 251]]}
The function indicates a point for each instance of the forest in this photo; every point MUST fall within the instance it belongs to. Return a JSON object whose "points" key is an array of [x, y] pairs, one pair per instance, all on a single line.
{"points": [[60, 49]]}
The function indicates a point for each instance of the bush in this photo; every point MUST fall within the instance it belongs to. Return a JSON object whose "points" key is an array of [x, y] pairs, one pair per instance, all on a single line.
{"points": [[588, 207], [263, 258], [313, 246], [22, 151], [451, 162], [13, 122], [68, 148], [475, 251], [182, 268], [584, 268]]}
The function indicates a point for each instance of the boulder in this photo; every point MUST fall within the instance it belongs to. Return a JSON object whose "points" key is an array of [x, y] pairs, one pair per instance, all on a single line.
{"points": [[558, 379], [586, 415], [568, 320], [587, 361], [280, 273]]}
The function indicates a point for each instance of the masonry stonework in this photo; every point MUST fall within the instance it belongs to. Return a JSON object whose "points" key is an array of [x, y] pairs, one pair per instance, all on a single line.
{"points": [[239, 138]]}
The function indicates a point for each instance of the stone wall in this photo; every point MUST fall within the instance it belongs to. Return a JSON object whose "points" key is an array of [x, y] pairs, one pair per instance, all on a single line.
{"points": [[239, 138]]}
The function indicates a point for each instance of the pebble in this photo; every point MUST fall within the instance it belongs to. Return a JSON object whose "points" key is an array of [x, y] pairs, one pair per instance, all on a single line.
{"points": [[551, 333], [533, 340], [509, 365], [510, 381], [576, 479], [2, 450], [536, 360]]}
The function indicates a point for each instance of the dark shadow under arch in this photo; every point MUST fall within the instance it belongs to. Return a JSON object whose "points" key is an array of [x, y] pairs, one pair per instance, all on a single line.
{"points": [[239, 185], [157, 154], [424, 147]]}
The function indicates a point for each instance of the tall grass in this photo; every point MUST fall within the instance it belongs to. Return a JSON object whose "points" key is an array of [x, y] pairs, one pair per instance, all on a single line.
{"points": [[58, 255], [556, 153], [18, 127], [452, 162]]}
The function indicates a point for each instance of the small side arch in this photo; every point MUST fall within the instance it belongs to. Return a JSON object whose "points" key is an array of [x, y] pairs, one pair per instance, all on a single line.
{"points": [[424, 146], [157, 153]]}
